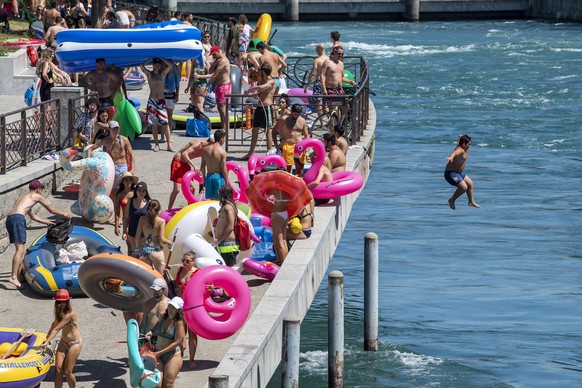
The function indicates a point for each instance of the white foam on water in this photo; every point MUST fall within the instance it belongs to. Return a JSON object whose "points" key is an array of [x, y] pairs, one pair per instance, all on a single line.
{"points": [[417, 363], [313, 362]]}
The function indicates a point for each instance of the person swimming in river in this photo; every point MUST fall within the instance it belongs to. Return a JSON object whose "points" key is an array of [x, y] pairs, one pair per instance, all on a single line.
{"points": [[454, 172]]}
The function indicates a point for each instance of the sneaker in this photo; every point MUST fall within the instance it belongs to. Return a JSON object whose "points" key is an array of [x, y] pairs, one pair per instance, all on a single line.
{"points": [[272, 151], [156, 148], [170, 149]]}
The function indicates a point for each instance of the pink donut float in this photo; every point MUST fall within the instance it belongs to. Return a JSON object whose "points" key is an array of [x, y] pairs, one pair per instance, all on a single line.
{"points": [[298, 92], [264, 161], [343, 183], [262, 269], [211, 319], [243, 181]]}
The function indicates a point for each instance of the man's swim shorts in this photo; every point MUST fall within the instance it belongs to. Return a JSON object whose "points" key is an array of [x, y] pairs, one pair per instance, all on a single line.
{"points": [[454, 177], [221, 91], [16, 227]]}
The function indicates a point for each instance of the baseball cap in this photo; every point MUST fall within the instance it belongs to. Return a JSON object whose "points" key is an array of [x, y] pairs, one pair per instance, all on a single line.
{"points": [[158, 284], [214, 50], [141, 185], [35, 184], [177, 302], [62, 295], [113, 124]]}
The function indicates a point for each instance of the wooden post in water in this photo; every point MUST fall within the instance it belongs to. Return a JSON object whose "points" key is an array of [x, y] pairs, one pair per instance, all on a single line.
{"points": [[218, 381], [291, 346], [412, 13], [371, 292], [335, 330], [292, 10]]}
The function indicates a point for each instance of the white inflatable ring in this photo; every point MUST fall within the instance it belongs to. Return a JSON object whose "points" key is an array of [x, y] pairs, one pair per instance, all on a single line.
{"points": [[228, 316], [97, 273]]}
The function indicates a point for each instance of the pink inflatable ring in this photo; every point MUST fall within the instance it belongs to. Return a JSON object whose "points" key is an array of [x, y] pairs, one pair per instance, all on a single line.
{"points": [[211, 319]]}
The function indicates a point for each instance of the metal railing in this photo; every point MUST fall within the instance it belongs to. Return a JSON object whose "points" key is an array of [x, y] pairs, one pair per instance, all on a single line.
{"points": [[350, 111], [146, 14], [29, 133]]}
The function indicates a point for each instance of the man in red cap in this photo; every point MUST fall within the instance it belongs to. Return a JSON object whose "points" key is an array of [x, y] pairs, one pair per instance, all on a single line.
{"points": [[219, 74], [16, 223]]}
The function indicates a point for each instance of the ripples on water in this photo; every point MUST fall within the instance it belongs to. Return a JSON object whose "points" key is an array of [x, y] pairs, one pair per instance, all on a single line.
{"points": [[472, 297]]}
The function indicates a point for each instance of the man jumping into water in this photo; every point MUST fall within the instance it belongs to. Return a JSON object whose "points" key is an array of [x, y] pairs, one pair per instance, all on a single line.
{"points": [[454, 172]]}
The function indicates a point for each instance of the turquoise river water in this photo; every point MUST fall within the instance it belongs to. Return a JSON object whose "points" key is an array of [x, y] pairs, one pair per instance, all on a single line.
{"points": [[488, 297]]}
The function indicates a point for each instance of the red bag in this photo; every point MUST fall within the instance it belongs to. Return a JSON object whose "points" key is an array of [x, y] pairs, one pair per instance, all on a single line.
{"points": [[32, 55], [242, 233]]}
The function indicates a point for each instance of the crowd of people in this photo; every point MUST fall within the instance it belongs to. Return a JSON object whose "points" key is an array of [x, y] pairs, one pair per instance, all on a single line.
{"points": [[136, 214]]}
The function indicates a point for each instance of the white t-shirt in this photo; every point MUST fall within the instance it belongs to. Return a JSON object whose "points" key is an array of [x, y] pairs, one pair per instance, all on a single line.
{"points": [[122, 18]]}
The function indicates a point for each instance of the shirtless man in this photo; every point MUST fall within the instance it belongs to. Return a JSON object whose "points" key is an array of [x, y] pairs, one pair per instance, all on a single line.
{"points": [[332, 73], [220, 75], [291, 130], [316, 72], [276, 62], [182, 163], [51, 33], [50, 15], [340, 140], [119, 148], [156, 108], [130, 16], [263, 117], [455, 175], [106, 83], [16, 223], [154, 309], [213, 166], [337, 159]]}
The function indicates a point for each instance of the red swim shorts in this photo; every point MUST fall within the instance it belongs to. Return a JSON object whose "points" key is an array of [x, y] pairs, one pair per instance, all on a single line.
{"points": [[177, 170]]}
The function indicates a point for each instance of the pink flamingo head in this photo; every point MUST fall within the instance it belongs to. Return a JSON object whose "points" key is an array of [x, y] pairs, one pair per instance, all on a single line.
{"points": [[252, 164], [243, 181], [319, 148], [186, 180], [275, 159]]}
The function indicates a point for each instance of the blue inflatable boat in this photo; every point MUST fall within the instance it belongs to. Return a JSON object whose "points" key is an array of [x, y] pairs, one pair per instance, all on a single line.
{"points": [[77, 49], [45, 276]]}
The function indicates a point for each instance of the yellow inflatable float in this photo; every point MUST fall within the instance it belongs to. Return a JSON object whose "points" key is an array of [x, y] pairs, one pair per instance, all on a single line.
{"points": [[22, 362], [263, 27]]}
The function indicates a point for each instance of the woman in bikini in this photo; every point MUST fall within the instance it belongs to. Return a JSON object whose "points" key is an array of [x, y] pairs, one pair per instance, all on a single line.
{"points": [[170, 330], [126, 184], [306, 218], [185, 273], [71, 342], [135, 209], [151, 228], [225, 238]]}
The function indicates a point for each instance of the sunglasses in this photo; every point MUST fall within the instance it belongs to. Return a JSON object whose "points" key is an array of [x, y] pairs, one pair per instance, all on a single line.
{"points": [[186, 261], [206, 36]]}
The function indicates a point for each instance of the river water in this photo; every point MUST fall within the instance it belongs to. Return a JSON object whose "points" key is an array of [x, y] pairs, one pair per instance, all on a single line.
{"points": [[488, 297]]}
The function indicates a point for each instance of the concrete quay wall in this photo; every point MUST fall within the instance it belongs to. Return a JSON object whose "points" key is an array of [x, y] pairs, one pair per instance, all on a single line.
{"points": [[255, 355], [567, 10]]}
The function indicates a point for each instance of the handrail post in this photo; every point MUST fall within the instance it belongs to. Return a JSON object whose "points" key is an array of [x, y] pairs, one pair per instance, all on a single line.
{"points": [[23, 141], [3, 145]]}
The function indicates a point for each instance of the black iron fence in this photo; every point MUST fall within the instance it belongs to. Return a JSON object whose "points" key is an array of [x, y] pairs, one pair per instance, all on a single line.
{"points": [[321, 112], [29, 133]]}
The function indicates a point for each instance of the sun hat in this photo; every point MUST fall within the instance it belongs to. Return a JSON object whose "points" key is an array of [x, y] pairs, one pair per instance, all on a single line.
{"points": [[158, 284], [177, 302], [35, 184], [62, 295], [125, 174], [214, 50]]}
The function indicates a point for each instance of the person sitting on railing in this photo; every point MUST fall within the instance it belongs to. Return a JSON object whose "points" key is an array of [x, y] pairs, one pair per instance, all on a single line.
{"points": [[341, 141], [336, 157]]}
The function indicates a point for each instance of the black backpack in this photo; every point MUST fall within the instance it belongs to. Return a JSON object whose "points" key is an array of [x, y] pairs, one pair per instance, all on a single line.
{"points": [[59, 232]]}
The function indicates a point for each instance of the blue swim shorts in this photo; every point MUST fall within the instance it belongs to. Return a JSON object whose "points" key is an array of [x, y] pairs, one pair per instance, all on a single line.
{"points": [[212, 183], [16, 227], [454, 177]]}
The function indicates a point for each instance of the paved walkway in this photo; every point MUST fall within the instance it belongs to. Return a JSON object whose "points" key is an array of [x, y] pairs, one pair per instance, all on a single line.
{"points": [[103, 360]]}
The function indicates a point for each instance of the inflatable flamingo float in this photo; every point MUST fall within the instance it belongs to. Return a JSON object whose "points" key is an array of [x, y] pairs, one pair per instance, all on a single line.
{"points": [[343, 183], [264, 161]]}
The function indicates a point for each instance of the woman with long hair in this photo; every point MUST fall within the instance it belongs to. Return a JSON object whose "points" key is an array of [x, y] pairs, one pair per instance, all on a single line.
{"points": [[45, 69], [185, 273], [101, 124], [197, 84], [132, 213], [125, 193], [151, 234], [71, 342], [170, 331]]}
